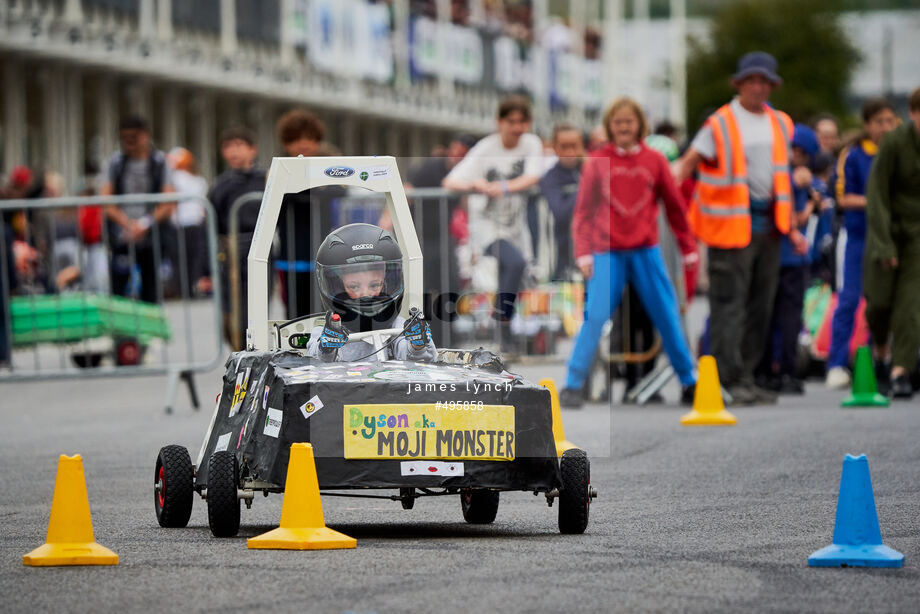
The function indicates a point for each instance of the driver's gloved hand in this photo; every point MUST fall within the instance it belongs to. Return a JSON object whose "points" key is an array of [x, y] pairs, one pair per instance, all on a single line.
{"points": [[418, 333], [334, 334]]}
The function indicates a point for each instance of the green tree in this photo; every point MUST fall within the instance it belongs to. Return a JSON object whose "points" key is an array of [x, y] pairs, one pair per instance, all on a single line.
{"points": [[816, 58]]}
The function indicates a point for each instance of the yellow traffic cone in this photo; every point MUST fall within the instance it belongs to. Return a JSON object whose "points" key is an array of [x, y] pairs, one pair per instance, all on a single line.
{"points": [[558, 430], [302, 524], [708, 408], [70, 538]]}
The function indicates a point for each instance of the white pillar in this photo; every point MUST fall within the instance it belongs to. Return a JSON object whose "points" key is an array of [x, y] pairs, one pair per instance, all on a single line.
{"points": [[445, 79], [613, 17], [641, 26], [577, 9], [538, 65], [14, 113], [173, 118], [164, 20], [417, 142], [259, 120], [371, 134], [147, 24], [677, 105], [393, 140], [401, 44], [138, 94], [73, 11], [286, 42], [227, 27], [348, 136], [54, 136], [204, 138], [107, 116], [72, 110]]}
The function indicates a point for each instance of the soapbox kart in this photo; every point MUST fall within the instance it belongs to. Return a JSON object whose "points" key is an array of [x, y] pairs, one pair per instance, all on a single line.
{"points": [[461, 425]]}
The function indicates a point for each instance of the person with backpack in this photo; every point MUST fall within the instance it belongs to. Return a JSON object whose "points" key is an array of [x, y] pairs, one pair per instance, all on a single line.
{"points": [[137, 168]]}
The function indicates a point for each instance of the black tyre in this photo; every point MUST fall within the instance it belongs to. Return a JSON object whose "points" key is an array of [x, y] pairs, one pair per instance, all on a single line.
{"points": [[173, 487], [223, 503], [479, 506], [86, 360], [575, 496], [408, 499]]}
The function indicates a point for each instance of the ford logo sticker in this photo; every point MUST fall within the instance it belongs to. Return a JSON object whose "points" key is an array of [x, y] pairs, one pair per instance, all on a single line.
{"points": [[339, 172]]}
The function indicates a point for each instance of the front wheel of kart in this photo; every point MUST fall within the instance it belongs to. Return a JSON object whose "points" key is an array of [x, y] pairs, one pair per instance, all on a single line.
{"points": [[479, 506], [223, 503], [575, 497], [173, 487]]}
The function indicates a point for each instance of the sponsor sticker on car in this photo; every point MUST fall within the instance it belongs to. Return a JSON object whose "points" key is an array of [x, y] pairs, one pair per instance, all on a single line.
{"points": [[430, 468], [339, 172], [273, 422], [374, 172], [429, 431], [223, 442], [311, 407], [239, 391]]}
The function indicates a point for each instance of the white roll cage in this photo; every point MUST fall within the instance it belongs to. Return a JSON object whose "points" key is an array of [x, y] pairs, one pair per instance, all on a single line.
{"points": [[292, 175]]}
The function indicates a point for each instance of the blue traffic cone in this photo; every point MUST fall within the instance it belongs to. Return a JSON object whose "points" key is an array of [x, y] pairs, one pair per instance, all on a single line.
{"points": [[857, 537]]}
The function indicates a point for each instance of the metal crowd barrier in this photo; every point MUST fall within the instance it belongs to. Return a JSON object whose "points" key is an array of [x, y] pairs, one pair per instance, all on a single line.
{"points": [[431, 209], [350, 207], [79, 299]]}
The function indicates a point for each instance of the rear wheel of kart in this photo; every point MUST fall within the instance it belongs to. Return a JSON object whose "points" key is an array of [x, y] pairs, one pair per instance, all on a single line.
{"points": [[479, 506], [223, 503], [128, 352], [575, 496], [86, 360], [173, 486]]}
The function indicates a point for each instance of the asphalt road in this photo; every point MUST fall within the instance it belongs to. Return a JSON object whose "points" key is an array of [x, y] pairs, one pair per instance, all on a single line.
{"points": [[687, 519]]}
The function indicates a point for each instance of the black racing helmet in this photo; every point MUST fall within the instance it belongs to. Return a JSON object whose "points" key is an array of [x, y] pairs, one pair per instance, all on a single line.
{"points": [[359, 271]]}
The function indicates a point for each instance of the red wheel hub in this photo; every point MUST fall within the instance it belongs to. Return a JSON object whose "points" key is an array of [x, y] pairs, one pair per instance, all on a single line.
{"points": [[161, 486], [129, 353]]}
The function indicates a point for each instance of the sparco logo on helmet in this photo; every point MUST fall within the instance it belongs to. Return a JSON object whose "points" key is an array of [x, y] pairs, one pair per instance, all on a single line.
{"points": [[339, 171], [362, 246]]}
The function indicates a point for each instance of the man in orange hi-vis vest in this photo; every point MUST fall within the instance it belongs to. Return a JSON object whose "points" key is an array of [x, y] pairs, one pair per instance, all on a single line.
{"points": [[741, 206]]}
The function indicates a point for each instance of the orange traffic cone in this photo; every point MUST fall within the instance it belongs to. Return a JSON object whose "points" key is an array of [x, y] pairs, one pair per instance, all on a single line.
{"points": [[70, 538], [708, 407], [302, 524], [562, 444]]}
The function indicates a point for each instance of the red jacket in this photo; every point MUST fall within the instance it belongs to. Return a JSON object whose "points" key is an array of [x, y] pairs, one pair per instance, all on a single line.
{"points": [[617, 204]]}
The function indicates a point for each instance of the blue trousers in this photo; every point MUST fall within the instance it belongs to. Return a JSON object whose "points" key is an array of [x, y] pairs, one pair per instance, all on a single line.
{"points": [[644, 269], [847, 302]]}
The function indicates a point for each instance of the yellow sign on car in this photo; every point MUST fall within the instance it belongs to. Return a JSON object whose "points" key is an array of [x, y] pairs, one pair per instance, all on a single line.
{"points": [[449, 431]]}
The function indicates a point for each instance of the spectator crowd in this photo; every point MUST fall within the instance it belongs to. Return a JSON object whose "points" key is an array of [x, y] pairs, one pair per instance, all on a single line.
{"points": [[771, 211]]}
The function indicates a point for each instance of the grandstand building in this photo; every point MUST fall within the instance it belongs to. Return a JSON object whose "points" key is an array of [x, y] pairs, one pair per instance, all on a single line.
{"points": [[393, 77], [384, 77]]}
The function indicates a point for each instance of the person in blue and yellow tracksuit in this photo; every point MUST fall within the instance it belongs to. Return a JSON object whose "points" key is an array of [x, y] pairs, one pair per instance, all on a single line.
{"points": [[852, 177], [891, 271]]}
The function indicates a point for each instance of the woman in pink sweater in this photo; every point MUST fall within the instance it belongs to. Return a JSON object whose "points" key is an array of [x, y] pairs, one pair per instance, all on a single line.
{"points": [[615, 232]]}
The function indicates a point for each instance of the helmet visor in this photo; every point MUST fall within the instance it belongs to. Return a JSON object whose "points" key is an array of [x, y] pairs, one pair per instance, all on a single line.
{"points": [[363, 287]]}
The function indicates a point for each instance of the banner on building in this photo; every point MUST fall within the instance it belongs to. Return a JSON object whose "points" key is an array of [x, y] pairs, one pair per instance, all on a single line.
{"points": [[345, 37]]}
